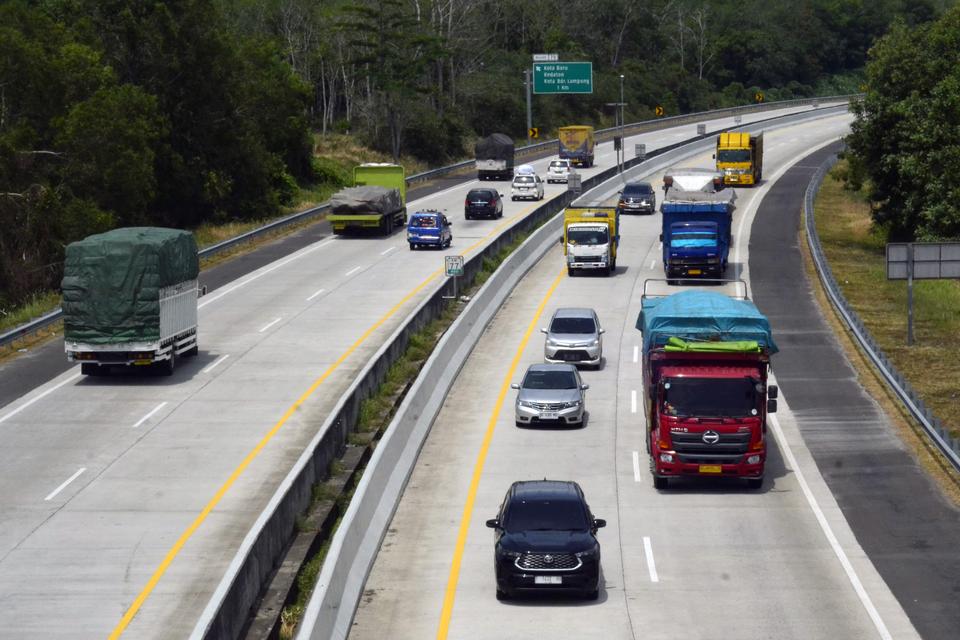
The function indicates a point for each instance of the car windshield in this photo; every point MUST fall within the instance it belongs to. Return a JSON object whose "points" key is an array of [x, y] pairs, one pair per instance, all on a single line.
{"points": [[545, 515], [710, 398], [425, 222], [573, 325], [550, 380], [638, 190], [734, 155], [587, 236], [523, 180]]}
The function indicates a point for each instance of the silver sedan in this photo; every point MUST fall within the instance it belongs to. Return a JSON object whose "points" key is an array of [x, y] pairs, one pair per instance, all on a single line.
{"points": [[550, 394], [574, 336]]}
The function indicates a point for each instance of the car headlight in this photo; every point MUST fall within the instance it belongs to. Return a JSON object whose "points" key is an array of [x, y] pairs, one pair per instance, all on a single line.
{"points": [[510, 554], [570, 405], [589, 553], [552, 343], [524, 403], [594, 343]]}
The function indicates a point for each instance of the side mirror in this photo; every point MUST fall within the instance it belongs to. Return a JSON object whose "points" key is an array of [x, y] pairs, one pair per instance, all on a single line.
{"points": [[714, 156], [661, 237], [499, 194], [514, 386], [772, 406], [584, 386], [543, 329], [603, 330], [599, 523], [493, 524], [773, 392]]}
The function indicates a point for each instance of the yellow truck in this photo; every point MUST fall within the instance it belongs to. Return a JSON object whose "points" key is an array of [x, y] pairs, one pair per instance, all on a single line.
{"points": [[576, 145], [740, 158], [376, 202], [591, 234]]}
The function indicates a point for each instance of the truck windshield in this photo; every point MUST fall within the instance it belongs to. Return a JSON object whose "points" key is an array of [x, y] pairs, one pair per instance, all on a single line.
{"points": [[710, 397], [587, 236], [693, 239], [734, 155]]}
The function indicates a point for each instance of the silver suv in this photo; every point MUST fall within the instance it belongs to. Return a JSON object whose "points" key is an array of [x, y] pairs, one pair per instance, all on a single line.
{"points": [[574, 336], [550, 394]]}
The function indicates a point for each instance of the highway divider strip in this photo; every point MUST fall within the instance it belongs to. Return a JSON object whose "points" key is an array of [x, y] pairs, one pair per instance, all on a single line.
{"points": [[533, 150], [354, 546], [911, 400]]}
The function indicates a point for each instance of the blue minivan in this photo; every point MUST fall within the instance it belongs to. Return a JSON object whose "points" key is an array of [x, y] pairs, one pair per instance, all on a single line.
{"points": [[429, 229]]}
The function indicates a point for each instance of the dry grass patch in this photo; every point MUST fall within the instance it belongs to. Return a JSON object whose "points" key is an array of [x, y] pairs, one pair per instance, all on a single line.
{"points": [[855, 249]]}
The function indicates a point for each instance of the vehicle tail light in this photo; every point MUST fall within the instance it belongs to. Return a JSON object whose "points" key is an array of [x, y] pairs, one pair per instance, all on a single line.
{"points": [[466, 202]]}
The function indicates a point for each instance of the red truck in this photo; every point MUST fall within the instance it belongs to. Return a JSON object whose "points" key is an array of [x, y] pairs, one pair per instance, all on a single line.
{"points": [[705, 362]]}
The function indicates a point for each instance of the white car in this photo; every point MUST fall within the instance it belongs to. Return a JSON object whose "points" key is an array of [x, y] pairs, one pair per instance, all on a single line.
{"points": [[526, 186], [558, 171]]}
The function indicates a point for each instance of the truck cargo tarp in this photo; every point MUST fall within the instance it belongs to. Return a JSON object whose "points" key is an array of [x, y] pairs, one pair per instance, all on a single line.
{"points": [[721, 200], [703, 316], [365, 200], [494, 147], [111, 282]]}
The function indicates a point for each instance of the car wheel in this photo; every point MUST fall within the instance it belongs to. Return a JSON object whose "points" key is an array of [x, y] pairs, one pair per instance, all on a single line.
{"points": [[660, 483], [754, 483], [591, 595], [502, 595], [520, 424], [514, 198], [412, 247]]}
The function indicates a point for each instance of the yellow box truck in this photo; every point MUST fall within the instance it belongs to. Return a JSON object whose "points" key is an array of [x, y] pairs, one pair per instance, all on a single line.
{"points": [[576, 144], [739, 157]]}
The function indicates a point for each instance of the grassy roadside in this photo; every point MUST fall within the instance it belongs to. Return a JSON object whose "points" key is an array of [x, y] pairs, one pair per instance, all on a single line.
{"points": [[855, 250]]}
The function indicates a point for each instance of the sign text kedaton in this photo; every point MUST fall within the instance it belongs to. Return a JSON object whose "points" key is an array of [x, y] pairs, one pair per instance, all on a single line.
{"points": [[563, 77]]}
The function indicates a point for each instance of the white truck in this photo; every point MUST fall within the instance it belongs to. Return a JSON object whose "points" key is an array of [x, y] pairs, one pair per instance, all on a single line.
{"points": [[130, 299], [591, 237]]}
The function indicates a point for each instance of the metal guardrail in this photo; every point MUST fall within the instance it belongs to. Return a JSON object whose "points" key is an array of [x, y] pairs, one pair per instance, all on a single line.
{"points": [[949, 446], [601, 135]]}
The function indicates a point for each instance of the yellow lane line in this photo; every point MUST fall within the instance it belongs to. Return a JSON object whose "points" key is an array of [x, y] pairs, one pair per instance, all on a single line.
{"points": [[451, 593], [188, 533]]}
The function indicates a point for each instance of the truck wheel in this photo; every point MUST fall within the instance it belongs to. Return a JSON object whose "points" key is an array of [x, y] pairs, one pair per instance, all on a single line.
{"points": [[192, 351], [660, 483], [754, 483], [170, 365]]}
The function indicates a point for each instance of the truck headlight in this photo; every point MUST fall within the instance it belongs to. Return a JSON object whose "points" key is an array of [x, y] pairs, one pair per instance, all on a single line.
{"points": [[753, 459], [666, 457], [713, 261], [570, 257]]}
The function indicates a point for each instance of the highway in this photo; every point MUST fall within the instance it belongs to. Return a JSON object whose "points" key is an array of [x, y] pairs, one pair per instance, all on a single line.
{"points": [[701, 560], [124, 498]]}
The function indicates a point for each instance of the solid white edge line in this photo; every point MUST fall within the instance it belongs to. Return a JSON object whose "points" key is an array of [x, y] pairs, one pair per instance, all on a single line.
{"points": [[150, 415], [651, 565], [216, 296], [270, 325], [636, 353], [352, 271], [636, 467], [63, 486], [215, 363], [386, 251], [315, 294], [39, 397], [633, 401], [828, 531]]}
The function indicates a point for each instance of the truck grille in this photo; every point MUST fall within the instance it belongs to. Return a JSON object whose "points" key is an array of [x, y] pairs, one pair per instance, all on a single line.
{"points": [[729, 449], [548, 562], [590, 259]]}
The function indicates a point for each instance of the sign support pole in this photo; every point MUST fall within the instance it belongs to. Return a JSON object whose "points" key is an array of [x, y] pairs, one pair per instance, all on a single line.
{"points": [[527, 82]]}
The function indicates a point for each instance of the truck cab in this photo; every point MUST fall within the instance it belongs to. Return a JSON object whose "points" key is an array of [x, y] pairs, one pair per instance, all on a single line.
{"points": [[429, 229], [739, 158], [590, 237], [693, 249]]}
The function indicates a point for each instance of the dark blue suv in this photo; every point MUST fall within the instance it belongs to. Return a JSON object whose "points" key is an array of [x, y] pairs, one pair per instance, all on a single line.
{"points": [[545, 539]]}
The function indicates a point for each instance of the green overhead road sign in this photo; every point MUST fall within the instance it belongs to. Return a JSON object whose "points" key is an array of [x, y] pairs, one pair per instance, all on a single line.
{"points": [[563, 77]]}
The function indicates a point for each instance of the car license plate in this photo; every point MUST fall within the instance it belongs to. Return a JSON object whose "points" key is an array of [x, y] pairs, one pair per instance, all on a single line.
{"points": [[549, 415], [710, 468], [547, 580], [694, 272]]}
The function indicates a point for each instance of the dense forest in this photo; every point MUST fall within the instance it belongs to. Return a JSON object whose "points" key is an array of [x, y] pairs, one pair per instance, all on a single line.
{"points": [[124, 112]]}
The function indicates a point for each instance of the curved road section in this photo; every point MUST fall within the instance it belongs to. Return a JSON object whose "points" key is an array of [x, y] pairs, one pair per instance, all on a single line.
{"points": [[700, 560], [124, 499]]}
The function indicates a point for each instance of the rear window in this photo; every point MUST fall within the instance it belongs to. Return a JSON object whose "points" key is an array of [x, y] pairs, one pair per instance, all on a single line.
{"points": [[562, 164], [573, 325], [425, 222], [480, 194], [545, 514], [523, 179]]}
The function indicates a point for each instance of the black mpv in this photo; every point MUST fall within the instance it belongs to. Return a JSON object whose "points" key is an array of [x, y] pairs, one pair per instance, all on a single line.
{"points": [[485, 203], [545, 539]]}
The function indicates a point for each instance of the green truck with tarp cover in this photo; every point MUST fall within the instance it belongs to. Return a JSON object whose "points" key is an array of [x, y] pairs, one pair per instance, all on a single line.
{"points": [[706, 358], [376, 202], [130, 298]]}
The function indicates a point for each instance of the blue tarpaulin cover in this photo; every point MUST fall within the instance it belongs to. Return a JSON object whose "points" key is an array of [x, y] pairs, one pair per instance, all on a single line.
{"points": [[702, 316]]}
